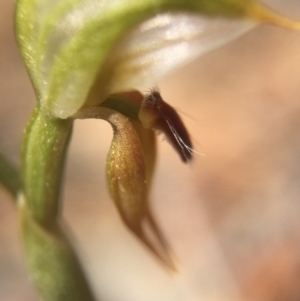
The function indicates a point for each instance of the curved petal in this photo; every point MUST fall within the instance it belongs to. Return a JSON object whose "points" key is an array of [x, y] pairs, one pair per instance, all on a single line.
{"points": [[166, 42], [73, 49]]}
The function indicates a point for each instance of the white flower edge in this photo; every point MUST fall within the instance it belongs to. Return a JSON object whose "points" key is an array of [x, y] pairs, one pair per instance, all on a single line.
{"points": [[165, 43]]}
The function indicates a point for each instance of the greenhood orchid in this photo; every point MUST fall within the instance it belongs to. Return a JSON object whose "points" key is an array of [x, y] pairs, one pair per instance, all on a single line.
{"points": [[92, 59]]}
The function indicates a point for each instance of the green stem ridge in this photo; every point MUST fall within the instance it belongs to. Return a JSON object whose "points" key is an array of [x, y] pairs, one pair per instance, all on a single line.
{"points": [[9, 177], [43, 156]]}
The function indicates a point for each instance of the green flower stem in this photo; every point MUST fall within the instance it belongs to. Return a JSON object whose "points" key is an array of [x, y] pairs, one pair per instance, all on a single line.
{"points": [[9, 177], [54, 267], [43, 155]]}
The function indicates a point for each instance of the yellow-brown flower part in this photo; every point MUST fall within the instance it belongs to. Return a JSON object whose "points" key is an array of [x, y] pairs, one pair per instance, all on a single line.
{"points": [[131, 158]]}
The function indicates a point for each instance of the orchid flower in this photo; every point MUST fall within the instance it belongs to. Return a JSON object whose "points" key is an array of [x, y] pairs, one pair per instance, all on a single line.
{"points": [[91, 59]]}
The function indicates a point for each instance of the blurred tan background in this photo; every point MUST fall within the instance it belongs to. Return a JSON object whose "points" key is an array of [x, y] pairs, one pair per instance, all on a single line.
{"points": [[232, 217]]}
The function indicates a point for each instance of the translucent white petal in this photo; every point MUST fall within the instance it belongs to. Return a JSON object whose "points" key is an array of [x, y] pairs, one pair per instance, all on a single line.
{"points": [[166, 42]]}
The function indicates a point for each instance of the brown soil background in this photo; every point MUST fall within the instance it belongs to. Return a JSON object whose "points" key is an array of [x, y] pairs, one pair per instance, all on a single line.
{"points": [[232, 217]]}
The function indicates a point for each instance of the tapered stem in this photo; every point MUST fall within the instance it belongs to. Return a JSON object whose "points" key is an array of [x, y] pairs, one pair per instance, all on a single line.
{"points": [[53, 265]]}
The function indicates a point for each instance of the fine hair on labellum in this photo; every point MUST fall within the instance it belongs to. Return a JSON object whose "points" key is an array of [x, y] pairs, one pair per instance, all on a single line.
{"points": [[163, 117]]}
